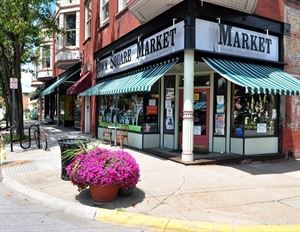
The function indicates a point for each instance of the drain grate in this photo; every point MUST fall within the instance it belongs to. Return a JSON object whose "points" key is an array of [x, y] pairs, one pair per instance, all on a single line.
{"points": [[18, 167]]}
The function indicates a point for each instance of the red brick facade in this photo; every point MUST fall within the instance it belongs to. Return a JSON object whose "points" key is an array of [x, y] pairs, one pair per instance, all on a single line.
{"points": [[118, 25], [291, 130], [272, 9]]}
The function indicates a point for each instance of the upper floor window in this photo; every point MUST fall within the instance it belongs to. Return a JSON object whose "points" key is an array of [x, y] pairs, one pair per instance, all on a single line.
{"points": [[88, 18], [104, 11], [70, 29], [46, 56], [121, 5]]}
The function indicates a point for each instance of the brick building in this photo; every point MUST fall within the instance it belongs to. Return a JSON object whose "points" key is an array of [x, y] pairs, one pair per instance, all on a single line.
{"points": [[196, 76], [291, 116]]}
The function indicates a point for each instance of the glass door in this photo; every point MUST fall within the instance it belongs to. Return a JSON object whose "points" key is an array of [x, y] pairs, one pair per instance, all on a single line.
{"points": [[201, 119]]}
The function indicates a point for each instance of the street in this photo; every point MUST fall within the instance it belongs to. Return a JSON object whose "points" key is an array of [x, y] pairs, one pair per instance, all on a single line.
{"points": [[17, 213]]}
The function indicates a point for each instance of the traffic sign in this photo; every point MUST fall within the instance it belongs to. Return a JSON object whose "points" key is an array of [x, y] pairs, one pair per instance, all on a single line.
{"points": [[13, 83]]}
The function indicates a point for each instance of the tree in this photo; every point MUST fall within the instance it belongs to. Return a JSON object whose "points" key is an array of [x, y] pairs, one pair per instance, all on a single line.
{"points": [[21, 23]]}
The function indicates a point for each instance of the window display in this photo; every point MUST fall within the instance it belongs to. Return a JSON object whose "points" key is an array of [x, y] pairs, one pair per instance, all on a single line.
{"points": [[122, 109], [169, 111], [138, 111], [220, 105], [253, 115]]}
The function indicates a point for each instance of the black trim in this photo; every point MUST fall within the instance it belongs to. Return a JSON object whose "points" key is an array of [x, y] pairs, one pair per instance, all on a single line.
{"points": [[178, 56], [188, 10], [199, 54]]}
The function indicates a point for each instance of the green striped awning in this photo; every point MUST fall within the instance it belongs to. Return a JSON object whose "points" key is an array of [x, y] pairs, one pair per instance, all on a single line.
{"points": [[65, 77], [138, 82], [256, 78]]}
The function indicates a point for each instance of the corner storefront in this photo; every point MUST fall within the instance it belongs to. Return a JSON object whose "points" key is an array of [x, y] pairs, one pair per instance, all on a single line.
{"points": [[221, 95]]}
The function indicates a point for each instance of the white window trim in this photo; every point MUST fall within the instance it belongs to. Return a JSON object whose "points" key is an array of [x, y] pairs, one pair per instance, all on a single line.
{"points": [[88, 19], [102, 6], [73, 29], [121, 5]]}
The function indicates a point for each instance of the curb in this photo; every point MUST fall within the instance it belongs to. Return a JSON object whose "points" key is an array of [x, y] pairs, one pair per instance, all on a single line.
{"points": [[138, 220]]}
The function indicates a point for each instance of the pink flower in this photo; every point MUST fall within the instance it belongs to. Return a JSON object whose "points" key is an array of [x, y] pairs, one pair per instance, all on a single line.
{"points": [[104, 167]]}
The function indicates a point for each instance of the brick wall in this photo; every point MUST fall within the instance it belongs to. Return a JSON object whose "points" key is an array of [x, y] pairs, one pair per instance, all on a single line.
{"points": [[272, 9], [119, 24], [291, 126]]}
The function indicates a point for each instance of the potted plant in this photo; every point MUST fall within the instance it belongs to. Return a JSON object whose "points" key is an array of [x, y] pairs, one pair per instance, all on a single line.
{"points": [[104, 172], [69, 149]]}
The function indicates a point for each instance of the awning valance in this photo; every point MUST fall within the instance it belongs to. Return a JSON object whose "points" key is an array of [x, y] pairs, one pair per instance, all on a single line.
{"points": [[138, 82], [81, 85], [67, 75], [256, 78]]}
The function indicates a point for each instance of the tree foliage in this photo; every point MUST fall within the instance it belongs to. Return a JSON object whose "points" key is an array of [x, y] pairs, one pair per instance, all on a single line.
{"points": [[24, 25]]}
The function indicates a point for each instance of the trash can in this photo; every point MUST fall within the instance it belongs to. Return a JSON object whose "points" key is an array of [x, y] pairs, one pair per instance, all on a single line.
{"points": [[65, 145]]}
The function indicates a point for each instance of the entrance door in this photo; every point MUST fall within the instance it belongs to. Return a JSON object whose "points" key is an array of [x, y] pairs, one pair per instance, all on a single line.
{"points": [[201, 119], [87, 114]]}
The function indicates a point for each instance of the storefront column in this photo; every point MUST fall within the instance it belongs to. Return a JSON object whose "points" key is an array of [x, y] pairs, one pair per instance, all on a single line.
{"points": [[188, 110]]}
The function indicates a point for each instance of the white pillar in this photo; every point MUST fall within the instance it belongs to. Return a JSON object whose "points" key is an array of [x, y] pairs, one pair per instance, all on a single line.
{"points": [[188, 109]]}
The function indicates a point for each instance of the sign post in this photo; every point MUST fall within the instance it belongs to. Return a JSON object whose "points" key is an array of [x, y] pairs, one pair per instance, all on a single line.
{"points": [[13, 86]]}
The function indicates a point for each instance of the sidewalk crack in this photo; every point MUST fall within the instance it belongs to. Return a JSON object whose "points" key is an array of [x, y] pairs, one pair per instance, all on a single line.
{"points": [[161, 202]]}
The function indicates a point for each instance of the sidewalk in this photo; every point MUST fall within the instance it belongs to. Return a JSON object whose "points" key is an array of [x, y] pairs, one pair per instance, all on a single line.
{"points": [[170, 196]]}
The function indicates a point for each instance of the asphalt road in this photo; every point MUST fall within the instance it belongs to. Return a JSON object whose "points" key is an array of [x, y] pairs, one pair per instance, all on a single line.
{"points": [[17, 213]]}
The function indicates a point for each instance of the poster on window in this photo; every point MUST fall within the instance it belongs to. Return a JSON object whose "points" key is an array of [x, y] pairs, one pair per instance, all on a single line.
{"points": [[220, 124], [168, 103], [220, 104], [169, 123], [261, 128], [152, 102], [197, 130]]}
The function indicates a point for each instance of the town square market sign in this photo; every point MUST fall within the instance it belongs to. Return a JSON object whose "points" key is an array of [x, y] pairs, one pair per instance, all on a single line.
{"points": [[156, 46], [226, 39]]}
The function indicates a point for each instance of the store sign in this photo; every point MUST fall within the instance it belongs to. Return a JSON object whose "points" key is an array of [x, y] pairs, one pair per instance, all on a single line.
{"points": [[222, 38], [158, 45]]}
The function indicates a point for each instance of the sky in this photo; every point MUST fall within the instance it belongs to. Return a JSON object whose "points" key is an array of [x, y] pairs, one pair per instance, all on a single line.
{"points": [[26, 78]]}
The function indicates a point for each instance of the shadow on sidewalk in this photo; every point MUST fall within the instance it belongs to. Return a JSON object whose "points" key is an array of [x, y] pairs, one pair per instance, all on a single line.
{"points": [[275, 167], [121, 202]]}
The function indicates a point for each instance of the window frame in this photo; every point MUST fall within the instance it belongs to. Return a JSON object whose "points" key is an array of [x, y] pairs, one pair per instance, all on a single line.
{"points": [[88, 19], [46, 49], [103, 5], [70, 30], [121, 5]]}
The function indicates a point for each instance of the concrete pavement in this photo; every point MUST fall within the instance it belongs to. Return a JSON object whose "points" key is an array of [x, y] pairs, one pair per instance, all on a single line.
{"points": [[170, 196]]}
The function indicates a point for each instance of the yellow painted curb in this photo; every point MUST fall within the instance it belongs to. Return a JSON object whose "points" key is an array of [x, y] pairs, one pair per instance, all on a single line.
{"points": [[172, 225]]}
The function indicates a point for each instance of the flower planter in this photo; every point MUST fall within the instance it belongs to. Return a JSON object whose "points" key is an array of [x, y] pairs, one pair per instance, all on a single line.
{"points": [[67, 144], [104, 193]]}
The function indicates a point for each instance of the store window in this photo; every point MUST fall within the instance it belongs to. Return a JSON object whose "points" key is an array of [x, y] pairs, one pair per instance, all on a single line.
{"points": [[169, 101], [104, 11], [70, 29], [220, 99], [88, 18], [138, 111], [46, 56], [253, 115]]}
